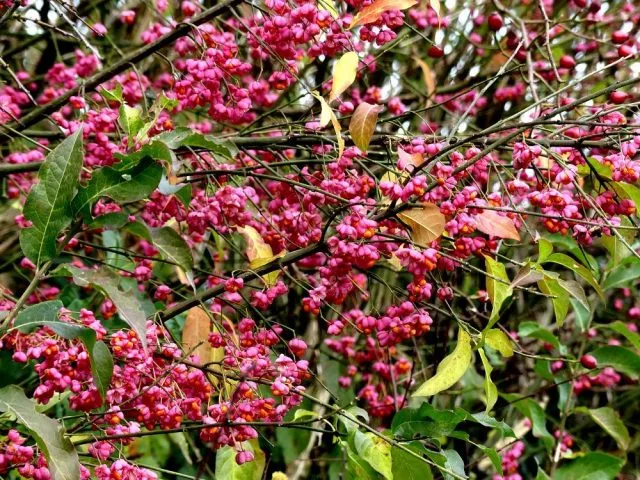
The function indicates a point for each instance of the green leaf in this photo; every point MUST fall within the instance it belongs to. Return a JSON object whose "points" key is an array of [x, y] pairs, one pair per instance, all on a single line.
{"points": [[498, 340], [48, 205], [534, 330], [173, 248], [620, 358], [534, 412], [622, 275], [583, 315], [450, 370], [114, 95], [577, 268], [186, 137], [228, 469], [591, 466], [560, 300], [122, 186], [623, 330], [375, 451], [484, 419], [545, 249], [46, 314], [130, 119], [490, 389], [611, 423], [425, 421], [405, 466], [498, 291], [454, 463], [614, 245], [356, 466], [62, 459], [129, 307]]}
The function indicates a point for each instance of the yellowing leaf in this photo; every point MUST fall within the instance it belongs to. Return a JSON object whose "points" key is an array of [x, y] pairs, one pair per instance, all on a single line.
{"points": [[426, 223], [498, 290], [490, 389], [259, 253], [435, 4], [499, 340], [195, 334], [344, 74], [429, 77], [373, 12], [491, 223], [326, 116], [450, 370], [363, 124]]}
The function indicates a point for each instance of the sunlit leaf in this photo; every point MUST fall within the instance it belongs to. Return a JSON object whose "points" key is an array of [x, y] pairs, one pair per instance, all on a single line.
{"points": [[499, 340], [426, 223], [260, 253], [428, 77], [374, 11], [363, 124], [490, 389], [498, 287], [326, 116], [491, 223], [344, 74], [450, 370]]}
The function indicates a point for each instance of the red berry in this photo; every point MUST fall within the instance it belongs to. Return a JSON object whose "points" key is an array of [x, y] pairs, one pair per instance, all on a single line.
{"points": [[580, 3], [595, 6], [625, 50], [495, 21], [567, 61], [618, 97], [588, 361], [435, 51], [619, 37]]}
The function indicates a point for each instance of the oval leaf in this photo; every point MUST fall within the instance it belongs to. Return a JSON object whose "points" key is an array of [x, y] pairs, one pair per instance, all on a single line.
{"points": [[491, 223], [344, 74], [48, 205], [426, 223], [363, 124], [450, 370], [499, 340]]}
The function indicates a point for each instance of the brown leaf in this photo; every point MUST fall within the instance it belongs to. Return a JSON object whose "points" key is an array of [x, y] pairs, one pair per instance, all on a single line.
{"points": [[426, 223], [195, 334], [363, 124], [491, 223], [373, 12], [405, 159], [429, 78]]}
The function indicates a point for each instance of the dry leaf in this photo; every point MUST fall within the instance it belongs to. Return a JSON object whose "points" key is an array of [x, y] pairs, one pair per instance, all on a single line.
{"points": [[491, 223], [195, 334], [373, 12], [326, 116], [344, 74], [426, 223], [363, 124], [435, 4], [429, 78]]}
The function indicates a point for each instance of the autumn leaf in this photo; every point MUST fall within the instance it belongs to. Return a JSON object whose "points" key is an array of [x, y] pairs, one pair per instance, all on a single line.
{"points": [[363, 124], [426, 223], [373, 12], [450, 370], [405, 159], [259, 253], [195, 334], [435, 5], [326, 116], [491, 223], [344, 74], [428, 77]]}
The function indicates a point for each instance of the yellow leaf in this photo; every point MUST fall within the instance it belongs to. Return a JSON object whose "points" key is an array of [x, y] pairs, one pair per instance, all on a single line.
{"points": [[330, 7], [429, 78], [435, 4], [450, 370], [363, 124], [344, 74], [373, 12], [499, 340], [260, 253], [326, 116], [491, 223], [426, 223]]}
